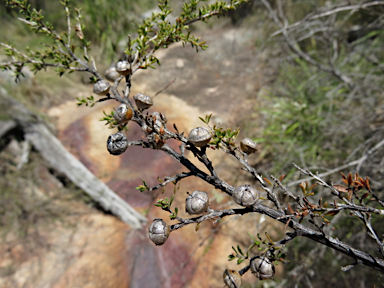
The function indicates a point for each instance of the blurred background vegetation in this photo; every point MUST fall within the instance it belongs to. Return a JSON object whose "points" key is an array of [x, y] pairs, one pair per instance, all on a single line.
{"points": [[310, 114]]}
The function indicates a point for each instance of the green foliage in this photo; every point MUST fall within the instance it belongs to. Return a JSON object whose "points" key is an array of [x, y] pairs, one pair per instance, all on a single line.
{"points": [[265, 246], [89, 101], [108, 118], [222, 138], [61, 54], [143, 187], [296, 119], [165, 203], [316, 114], [69, 51], [108, 24], [206, 119]]}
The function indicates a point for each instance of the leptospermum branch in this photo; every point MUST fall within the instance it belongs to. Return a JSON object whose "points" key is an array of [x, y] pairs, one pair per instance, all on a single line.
{"points": [[300, 229]]}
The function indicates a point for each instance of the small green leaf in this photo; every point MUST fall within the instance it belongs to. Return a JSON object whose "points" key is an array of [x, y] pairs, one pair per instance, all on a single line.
{"points": [[239, 249], [253, 238], [173, 197], [231, 256], [269, 238]]}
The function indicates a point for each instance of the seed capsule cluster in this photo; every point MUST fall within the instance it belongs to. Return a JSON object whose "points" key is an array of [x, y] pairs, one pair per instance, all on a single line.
{"points": [[261, 267], [154, 127]]}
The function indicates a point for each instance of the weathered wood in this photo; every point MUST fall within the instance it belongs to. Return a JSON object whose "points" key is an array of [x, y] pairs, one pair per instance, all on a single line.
{"points": [[60, 159], [5, 126]]}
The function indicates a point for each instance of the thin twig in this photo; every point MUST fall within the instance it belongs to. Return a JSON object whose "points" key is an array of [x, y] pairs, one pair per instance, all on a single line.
{"points": [[164, 88], [328, 13]]}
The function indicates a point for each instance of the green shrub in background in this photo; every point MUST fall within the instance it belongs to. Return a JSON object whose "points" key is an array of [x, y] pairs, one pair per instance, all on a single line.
{"points": [[106, 25], [325, 110], [313, 116]]}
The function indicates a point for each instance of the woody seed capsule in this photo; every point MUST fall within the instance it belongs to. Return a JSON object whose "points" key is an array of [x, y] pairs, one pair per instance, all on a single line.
{"points": [[101, 87], [245, 195], [111, 74], [232, 278], [197, 202], [123, 67], [123, 114], [117, 143], [143, 101], [199, 136], [248, 146], [262, 268], [158, 231]]}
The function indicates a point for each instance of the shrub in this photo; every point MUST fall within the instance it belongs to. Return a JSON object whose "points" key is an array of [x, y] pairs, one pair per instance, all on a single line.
{"points": [[307, 215]]}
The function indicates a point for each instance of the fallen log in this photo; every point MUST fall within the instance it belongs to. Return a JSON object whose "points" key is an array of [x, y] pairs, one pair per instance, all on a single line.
{"points": [[57, 157]]}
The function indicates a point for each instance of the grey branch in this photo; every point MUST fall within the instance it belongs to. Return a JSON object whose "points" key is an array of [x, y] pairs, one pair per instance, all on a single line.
{"points": [[330, 12], [358, 163], [296, 48], [300, 230]]}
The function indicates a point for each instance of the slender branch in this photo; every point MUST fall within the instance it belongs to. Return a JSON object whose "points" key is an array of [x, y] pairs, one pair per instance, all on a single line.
{"points": [[358, 211], [168, 180], [289, 237], [213, 214], [300, 229], [286, 191], [296, 49], [32, 61], [357, 162], [169, 84], [328, 13]]}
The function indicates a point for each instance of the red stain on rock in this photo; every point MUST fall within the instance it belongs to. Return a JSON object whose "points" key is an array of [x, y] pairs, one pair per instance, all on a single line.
{"points": [[138, 164], [75, 138], [169, 265]]}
